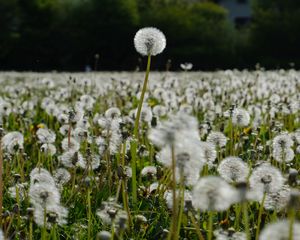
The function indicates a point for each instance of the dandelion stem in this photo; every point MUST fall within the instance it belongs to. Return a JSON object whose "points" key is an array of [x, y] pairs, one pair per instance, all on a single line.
{"points": [[1, 181], [198, 232], [30, 229], [261, 208], [89, 212], [138, 115], [291, 225], [173, 231], [181, 201], [124, 187], [246, 220], [210, 225], [133, 148]]}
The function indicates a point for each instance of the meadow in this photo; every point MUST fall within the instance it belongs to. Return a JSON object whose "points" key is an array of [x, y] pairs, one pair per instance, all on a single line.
{"points": [[203, 155], [226, 144]]}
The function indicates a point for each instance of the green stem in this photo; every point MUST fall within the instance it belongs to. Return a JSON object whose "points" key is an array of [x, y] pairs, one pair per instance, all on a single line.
{"points": [[173, 232], [124, 186], [197, 228], [89, 212], [210, 225], [44, 230], [181, 201], [133, 149], [135, 135], [138, 115], [30, 229], [246, 220], [1, 181], [291, 226], [261, 208]]}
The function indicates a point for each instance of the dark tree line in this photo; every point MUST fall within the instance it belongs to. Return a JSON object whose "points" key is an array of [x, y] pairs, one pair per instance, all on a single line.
{"points": [[68, 34]]}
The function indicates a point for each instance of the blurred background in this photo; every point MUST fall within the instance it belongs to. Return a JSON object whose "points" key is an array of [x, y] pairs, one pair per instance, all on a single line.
{"points": [[85, 35]]}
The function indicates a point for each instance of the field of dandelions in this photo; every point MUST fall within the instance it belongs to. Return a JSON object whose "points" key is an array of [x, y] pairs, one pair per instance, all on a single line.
{"points": [[155, 155]]}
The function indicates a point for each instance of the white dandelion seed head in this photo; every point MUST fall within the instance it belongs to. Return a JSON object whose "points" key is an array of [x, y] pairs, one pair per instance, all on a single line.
{"points": [[240, 117], [55, 214], [159, 110], [45, 135], [112, 113], [21, 188], [43, 195], [189, 159], [186, 66], [74, 145], [70, 159], [282, 141], [210, 153], [283, 154], [266, 179], [221, 234], [217, 138], [149, 170], [280, 230], [48, 148], [12, 141], [149, 41], [62, 176], [41, 175], [233, 169], [168, 196], [278, 200], [213, 193]]}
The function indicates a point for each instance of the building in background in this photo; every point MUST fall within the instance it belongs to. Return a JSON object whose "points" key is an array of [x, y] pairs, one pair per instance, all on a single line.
{"points": [[239, 10]]}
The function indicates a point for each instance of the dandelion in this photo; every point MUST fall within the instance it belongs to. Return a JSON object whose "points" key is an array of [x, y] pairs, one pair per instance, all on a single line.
{"points": [[282, 151], [73, 146], [210, 153], [41, 175], [189, 159], [278, 200], [44, 195], [280, 230], [217, 138], [72, 159], [149, 41], [12, 141], [48, 148], [229, 235], [233, 169], [213, 194], [45, 135], [168, 196], [113, 113], [186, 66], [55, 214], [149, 170], [266, 179], [159, 111], [240, 117], [61, 176], [104, 235], [20, 189]]}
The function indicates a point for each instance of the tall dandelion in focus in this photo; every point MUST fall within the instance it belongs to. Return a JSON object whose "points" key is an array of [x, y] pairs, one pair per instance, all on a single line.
{"points": [[148, 42]]}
